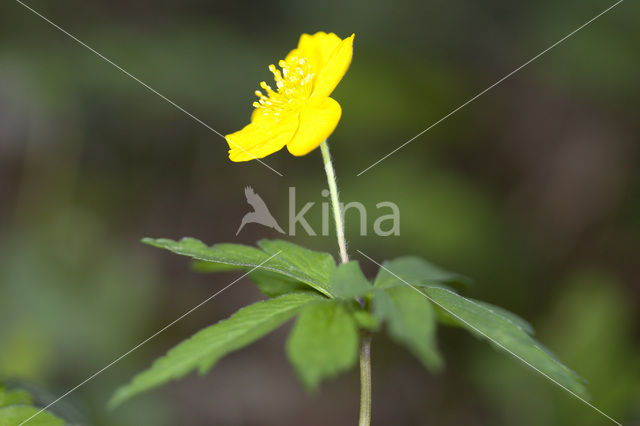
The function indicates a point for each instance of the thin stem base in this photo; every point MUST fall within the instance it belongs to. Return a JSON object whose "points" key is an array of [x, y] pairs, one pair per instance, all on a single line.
{"points": [[365, 381], [365, 348]]}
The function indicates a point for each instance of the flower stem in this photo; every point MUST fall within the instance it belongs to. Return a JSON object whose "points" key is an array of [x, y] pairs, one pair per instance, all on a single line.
{"points": [[335, 202], [365, 381], [365, 348]]}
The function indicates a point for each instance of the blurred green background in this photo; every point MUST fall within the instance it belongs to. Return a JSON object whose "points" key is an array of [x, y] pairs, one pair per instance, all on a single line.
{"points": [[533, 190]]}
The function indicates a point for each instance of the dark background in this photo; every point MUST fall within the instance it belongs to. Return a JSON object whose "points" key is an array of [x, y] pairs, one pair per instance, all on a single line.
{"points": [[533, 190]]}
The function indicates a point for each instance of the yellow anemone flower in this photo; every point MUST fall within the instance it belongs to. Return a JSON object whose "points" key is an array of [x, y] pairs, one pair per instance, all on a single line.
{"points": [[299, 113]]}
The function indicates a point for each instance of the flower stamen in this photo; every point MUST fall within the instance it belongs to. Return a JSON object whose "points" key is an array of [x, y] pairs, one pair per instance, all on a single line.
{"points": [[293, 83]]}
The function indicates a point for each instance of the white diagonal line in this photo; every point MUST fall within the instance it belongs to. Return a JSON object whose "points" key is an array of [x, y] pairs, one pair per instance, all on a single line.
{"points": [[493, 85], [148, 338], [495, 342], [145, 85]]}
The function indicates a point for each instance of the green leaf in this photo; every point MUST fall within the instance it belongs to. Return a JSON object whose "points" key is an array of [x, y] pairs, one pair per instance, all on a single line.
{"points": [[416, 271], [507, 335], [274, 285], [411, 322], [365, 320], [13, 415], [509, 316], [318, 265], [445, 318], [290, 260], [206, 347], [323, 343], [348, 281], [13, 397], [207, 266]]}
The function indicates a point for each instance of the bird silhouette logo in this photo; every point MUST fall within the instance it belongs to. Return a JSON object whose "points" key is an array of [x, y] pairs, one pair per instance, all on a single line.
{"points": [[260, 213]]}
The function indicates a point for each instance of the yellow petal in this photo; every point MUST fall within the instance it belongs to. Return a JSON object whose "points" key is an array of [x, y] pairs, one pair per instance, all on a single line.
{"points": [[317, 121], [259, 114], [316, 48], [334, 69], [261, 138]]}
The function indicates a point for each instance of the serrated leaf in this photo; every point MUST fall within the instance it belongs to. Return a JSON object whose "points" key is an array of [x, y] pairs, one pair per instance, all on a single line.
{"points": [[323, 343], [206, 347], [274, 285], [269, 283], [207, 266], [507, 335], [411, 322], [318, 265], [348, 281], [510, 316], [445, 318], [14, 415], [290, 260], [416, 271]]}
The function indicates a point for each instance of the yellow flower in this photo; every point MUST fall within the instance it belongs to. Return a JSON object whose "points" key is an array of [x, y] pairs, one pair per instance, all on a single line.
{"points": [[299, 113]]}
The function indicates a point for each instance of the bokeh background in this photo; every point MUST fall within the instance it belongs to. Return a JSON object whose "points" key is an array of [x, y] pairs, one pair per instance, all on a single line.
{"points": [[533, 190]]}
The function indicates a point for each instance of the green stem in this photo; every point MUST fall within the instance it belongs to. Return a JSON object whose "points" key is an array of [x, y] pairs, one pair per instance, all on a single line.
{"points": [[365, 381], [335, 202], [365, 348]]}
